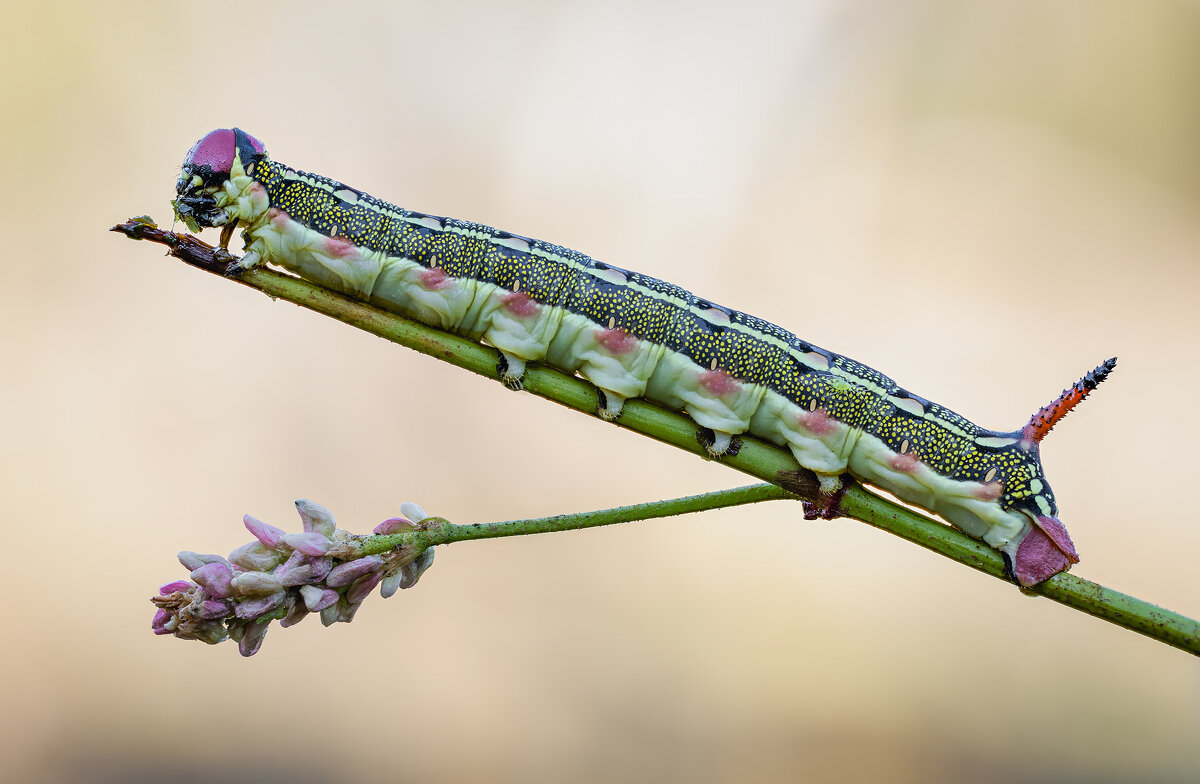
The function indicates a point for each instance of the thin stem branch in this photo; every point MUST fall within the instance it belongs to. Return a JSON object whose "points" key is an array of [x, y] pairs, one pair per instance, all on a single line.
{"points": [[756, 458], [436, 531]]}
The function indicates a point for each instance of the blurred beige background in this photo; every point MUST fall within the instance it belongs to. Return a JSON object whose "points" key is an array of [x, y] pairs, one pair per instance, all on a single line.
{"points": [[981, 199]]}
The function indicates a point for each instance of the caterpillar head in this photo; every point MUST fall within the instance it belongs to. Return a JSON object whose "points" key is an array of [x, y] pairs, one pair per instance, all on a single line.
{"points": [[1046, 549], [215, 173]]}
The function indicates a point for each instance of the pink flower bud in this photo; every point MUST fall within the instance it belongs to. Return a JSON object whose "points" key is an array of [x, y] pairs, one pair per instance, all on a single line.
{"points": [[329, 615], [216, 579], [317, 599], [213, 609], [413, 570], [178, 585], [211, 632], [294, 560], [362, 587], [394, 525], [321, 568], [347, 611], [297, 614], [316, 518], [412, 511], [300, 575], [252, 637], [346, 573], [193, 561], [256, 583], [269, 535], [311, 543], [296, 570], [391, 584], [253, 557], [253, 608], [159, 624]]}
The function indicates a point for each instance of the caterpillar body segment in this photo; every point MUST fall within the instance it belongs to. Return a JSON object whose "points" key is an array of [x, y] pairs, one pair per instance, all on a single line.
{"points": [[636, 336]]}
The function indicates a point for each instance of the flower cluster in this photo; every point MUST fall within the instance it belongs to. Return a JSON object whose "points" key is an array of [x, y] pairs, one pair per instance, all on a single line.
{"points": [[285, 576]]}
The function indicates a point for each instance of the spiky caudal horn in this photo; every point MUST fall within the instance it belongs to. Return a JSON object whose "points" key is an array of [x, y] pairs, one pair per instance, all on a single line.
{"points": [[1044, 420], [1047, 549]]}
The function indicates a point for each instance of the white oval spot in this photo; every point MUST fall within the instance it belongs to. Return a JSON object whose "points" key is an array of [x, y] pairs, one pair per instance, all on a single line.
{"points": [[904, 445], [990, 475], [815, 360], [713, 365], [913, 407], [995, 441], [516, 243], [347, 195], [433, 261], [812, 405], [611, 275], [612, 321], [516, 286]]}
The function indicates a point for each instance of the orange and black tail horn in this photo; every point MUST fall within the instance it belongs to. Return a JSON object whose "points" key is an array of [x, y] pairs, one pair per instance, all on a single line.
{"points": [[1041, 422]]}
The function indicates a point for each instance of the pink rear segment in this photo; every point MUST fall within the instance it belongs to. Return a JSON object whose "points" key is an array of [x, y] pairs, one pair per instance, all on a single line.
{"points": [[1044, 552]]}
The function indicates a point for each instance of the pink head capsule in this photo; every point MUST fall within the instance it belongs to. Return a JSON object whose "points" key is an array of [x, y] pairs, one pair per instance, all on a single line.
{"points": [[216, 151]]}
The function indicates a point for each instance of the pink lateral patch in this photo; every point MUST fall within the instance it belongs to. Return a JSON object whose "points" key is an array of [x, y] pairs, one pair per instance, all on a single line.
{"points": [[988, 492], [616, 341], [339, 247], [817, 422], [906, 463], [279, 219], [719, 382], [433, 279], [520, 304]]}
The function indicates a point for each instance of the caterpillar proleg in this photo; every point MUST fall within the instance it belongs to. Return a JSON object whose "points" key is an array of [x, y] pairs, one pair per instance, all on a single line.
{"points": [[633, 336]]}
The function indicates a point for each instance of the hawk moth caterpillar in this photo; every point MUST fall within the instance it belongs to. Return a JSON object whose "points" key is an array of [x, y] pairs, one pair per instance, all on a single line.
{"points": [[632, 335]]}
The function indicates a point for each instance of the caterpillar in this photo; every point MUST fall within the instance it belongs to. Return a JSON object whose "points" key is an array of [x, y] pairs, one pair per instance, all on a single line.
{"points": [[633, 336]]}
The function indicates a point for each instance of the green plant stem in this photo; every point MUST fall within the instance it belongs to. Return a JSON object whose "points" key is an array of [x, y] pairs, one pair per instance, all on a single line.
{"points": [[437, 531], [756, 458]]}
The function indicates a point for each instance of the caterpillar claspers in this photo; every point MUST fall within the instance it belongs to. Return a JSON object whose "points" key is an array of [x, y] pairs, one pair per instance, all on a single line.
{"points": [[636, 336]]}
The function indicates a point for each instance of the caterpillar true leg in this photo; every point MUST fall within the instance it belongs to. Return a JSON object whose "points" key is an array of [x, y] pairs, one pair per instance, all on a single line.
{"points": [[227, 234]]}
